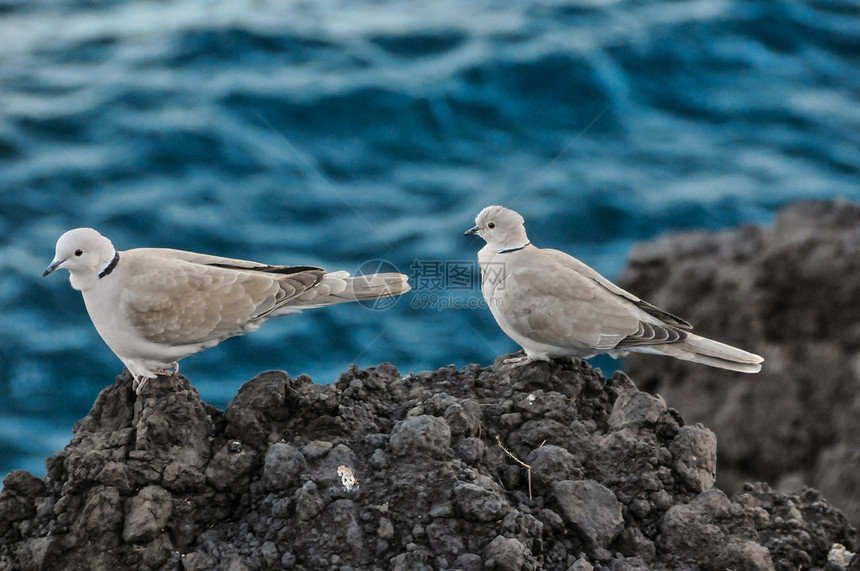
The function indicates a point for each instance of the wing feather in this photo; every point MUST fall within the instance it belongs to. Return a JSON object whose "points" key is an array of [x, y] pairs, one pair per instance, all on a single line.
{"points": [[560, 307], [175, 299], [554, 299]]}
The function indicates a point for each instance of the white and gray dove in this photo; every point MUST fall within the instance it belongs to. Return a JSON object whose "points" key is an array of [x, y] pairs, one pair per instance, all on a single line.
{"points": [[553, 305], [155, 306]]}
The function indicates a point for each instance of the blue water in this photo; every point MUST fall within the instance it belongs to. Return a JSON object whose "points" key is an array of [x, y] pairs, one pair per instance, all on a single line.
{"points": [[334, 133]]}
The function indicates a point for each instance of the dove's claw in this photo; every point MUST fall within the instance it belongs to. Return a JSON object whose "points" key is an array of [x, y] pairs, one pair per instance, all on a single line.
{"points": [[519, 361], [166, 372]]}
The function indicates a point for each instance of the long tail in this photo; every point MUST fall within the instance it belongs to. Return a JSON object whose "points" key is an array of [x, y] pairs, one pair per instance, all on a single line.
{"points": [[340, 287], [709, 352]]}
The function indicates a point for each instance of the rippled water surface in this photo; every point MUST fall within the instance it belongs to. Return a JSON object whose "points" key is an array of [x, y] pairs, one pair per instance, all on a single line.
{"points": [[335, 133]]}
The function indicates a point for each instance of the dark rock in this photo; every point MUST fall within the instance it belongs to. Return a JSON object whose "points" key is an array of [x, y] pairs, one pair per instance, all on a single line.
{"points": [[550, 464], [464, 419], [591, 509], [815, 526], [694, 451], [477, 503], [146, 514], [282, 466], [179, 477], [17, 497], [259, 401], [165, 482], [581, 565], [633, 543], [789, 293], [468, 562], [346, 537], [633, 409], [230, 465], [101, 518], [308, 502], [115, 474], [23, 484], [443, 537], [316, 449], [853, 563], [334, 469], [171, 426], [714, 534], [470, 450], [505, 553], [421, 434]]}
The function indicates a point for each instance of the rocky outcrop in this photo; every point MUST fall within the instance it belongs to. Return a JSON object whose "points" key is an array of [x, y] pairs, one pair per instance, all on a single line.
{"points": [[547, 466], [790, 293]]}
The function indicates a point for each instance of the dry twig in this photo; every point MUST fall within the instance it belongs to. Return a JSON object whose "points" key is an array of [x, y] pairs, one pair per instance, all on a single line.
{"points": [[520, 462]]}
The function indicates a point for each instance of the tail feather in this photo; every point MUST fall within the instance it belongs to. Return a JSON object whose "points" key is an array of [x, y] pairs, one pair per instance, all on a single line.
{"points": [[373, 286], [340, 287], [709, 352]]}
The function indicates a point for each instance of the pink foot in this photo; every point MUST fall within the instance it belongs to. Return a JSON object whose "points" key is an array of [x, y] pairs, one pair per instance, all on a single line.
{"points": [[168, 371]]}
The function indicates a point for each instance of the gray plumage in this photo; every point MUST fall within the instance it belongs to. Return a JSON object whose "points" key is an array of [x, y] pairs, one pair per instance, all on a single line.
{"points": [[155, 306], [554, 305]]}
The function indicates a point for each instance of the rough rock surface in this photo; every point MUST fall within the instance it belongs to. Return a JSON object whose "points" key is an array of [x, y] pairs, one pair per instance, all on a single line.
{"points": [[791, 293], [384, 471]]}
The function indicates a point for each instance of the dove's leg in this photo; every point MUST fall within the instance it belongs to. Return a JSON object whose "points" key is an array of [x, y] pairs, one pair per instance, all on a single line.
{"points": [[140, 380], [521, 361], [137, 383]]}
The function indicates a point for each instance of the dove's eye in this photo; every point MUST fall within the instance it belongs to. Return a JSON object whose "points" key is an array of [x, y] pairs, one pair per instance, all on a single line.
{"points": [[491, 225], [79, 252]]}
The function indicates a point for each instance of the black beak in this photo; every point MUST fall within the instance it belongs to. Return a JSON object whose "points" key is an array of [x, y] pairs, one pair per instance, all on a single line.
{"points": [[471, 231], [54, 265]]}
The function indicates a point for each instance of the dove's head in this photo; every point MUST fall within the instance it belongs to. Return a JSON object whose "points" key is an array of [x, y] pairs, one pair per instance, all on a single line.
{"points": [[85, 253], [501, 227]]}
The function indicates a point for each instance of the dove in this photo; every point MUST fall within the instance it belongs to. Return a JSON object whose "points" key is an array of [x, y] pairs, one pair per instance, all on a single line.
{"points": [[155, 306], [553, 305]]}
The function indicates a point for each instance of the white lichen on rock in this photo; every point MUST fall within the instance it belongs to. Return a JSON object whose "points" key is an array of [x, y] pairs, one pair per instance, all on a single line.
{"points": [[839, 555], [347, 478]]}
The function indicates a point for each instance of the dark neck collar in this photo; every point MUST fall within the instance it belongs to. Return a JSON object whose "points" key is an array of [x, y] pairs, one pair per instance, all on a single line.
{"points": [[514, 249], [110, 267]]}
